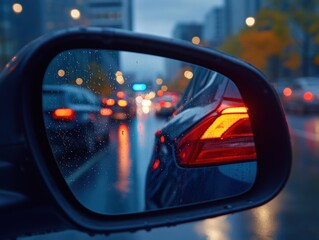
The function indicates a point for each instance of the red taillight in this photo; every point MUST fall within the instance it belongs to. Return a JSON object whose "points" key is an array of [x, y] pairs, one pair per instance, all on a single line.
{"points": [[122, 103], [308, 96], [106, 112], [120, 94], [287, 92], [64, 114], [156, 164], [165, 104], [108, 101], [227, 138]]}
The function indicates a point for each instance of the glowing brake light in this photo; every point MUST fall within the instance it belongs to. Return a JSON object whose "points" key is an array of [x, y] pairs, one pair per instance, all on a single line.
{"points": [[108, 101], [64, 114], [287, 92], [308, 96], [165, 104], [224, 139], [122, 103], [229, 117], [120, 94], [106, 112], [156, 164]]}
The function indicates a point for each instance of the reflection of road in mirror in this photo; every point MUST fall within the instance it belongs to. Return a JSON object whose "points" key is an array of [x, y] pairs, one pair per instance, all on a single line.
{"points": [[113, 179], [101, 131]]}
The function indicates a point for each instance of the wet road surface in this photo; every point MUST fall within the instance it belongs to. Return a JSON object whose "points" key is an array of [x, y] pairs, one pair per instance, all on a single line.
{"points": [[293, 214]]}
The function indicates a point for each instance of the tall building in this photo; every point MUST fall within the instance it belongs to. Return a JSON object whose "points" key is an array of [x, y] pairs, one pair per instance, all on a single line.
{"points": [[186, 31], [214, 30], [15, 31], [183, 31], [113, 14], [56, 15], [110, 13]]}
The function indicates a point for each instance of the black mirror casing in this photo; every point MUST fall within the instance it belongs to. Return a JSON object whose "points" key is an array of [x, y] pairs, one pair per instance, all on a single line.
{"points": [[34, 195]]}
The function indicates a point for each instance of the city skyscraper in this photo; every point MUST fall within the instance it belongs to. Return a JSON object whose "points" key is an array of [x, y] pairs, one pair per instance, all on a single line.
{"points": [[214, 28], [15, 32], [110, 13], [187, 32]]}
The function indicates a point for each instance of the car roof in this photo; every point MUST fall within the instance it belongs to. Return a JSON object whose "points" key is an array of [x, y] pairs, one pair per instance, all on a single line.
{"points": [[64, 87], [67, 88], [307, 80]]}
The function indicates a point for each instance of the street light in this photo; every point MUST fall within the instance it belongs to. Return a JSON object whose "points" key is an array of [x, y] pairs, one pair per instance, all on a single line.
{"points": [[250, 21], [79, 81], [164, 88], [75, 14], [196, 40], [61, 73], [119, 77], [188, 74], [159, 81], [17, 8]]}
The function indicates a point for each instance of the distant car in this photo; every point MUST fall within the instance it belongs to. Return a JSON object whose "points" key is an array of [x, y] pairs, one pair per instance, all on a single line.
{"points": [[166, 105], [184, 147], [73, 118], [121, 105], [303, 95]]}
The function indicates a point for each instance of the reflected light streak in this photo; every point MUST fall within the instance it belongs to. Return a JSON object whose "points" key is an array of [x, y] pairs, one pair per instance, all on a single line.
{"points": [[265, 219], [124, 161], [141, 133], [217, 228], [311, 134]]}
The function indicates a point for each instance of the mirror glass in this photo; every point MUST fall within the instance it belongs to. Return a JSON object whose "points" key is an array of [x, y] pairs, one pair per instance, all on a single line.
{"points": [[133, 132]]}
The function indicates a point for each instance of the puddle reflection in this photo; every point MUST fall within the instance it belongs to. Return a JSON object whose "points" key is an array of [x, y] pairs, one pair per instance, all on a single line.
{"points": [[124, 161]]}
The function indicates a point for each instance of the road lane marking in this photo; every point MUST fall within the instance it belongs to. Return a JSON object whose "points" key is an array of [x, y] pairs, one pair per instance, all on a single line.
{"points": [[303, 134], [73, 177]]}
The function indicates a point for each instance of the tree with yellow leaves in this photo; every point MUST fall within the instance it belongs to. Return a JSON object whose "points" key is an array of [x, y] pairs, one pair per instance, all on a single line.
{"points": [[287, 33]]}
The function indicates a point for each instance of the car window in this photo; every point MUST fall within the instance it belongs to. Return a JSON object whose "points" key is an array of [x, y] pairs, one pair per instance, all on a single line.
{"points": [[206, 88]]}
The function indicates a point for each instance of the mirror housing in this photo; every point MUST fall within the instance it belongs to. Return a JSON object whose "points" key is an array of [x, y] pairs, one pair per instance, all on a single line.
{"points": [[34, 186]]}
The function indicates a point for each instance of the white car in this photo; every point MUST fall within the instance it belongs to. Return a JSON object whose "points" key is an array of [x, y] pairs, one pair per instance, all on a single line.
{"points": [[303, 95]]}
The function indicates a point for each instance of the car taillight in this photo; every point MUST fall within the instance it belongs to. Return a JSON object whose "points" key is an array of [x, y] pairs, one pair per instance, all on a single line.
{"points": [[122, 103], [222, 139], [106, 112], [308, 96], [287, 92], [156, 164], [64, 114], [165, 104], [108, 101], [120, 94]]}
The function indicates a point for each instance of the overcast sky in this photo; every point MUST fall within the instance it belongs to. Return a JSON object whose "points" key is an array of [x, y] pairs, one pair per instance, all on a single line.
{"points": [[160, 16]]}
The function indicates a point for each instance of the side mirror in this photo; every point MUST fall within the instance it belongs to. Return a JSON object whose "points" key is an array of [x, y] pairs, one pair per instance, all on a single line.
{"points": [[118, 165]]}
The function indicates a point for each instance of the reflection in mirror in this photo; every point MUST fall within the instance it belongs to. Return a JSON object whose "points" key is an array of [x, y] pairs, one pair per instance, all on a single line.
{"points": [[133, 132]]}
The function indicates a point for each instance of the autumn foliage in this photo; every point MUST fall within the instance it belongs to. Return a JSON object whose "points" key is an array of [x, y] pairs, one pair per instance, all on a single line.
{"points": [[288, 35]]}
